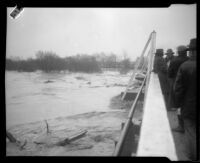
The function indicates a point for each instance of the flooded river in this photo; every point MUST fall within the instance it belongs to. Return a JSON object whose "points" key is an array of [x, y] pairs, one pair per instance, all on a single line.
{"points": [[70, 102]]}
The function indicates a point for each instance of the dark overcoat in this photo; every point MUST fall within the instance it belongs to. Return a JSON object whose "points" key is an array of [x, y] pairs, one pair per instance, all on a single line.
{"points": [[171, 73], [174, 66], [160, 67], [185, 89]]}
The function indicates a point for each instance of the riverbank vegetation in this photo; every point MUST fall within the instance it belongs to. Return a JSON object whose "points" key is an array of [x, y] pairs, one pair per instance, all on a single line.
{"points": [[50, 61]]}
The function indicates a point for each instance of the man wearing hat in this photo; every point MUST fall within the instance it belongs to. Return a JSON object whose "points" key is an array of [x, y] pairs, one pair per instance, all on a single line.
{"points": [[169, 56], [172, 72], [160, 67], [185, 95]]}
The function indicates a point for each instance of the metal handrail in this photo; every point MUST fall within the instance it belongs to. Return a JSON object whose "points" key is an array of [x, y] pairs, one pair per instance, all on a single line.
{"points": [[151, 61], [119, 146], [137, 65], [145, 62]]}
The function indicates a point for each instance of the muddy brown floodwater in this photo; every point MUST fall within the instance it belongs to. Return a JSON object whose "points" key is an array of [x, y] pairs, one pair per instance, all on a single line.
{"points": [[70, 102], [103, 131]]}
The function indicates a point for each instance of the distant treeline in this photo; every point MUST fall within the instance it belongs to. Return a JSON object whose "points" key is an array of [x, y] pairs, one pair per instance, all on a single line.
{"points": [[49, 61]]}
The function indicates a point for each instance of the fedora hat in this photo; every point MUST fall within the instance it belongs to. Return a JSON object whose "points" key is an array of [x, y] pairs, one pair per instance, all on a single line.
{"points": [[169, 51], [192, 45], [159, 51], [182, 48]]}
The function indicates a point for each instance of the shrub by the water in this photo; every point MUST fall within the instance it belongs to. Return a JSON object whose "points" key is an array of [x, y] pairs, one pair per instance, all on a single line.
{"points": [[28, 65], [49, 61], [83, 63]]}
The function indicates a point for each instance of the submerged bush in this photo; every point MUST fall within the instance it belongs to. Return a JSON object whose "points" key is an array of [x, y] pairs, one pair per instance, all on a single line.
{"points": [[28, 65], [49, 61], [83, 63]]}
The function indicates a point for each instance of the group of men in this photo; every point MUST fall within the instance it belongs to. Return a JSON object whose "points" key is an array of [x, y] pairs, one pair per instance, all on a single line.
{"points": [[177, 76]]}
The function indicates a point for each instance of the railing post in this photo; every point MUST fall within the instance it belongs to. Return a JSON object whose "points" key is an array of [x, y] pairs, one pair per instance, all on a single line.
{"points": [[137, 65], [150, 61], [122, 125]]}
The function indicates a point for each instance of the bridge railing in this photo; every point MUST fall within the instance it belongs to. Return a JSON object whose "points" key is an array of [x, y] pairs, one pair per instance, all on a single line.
{"points": [[120, 145], [155, 136], [128, 124]]}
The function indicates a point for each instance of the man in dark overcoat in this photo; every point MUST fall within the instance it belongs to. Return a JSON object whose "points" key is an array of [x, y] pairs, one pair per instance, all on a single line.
{"points": [[177, 61], [160, 67], [185, 96], [169, 56], [172, 72]]}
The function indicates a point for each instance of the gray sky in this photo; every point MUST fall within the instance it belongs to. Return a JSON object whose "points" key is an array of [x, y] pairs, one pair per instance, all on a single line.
{"points": [[68, 31]]}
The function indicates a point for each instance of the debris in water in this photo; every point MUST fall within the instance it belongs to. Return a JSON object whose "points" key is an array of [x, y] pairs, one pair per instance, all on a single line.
{"points": [[47, 125], [117, 103], [12, 139], [72, 138], [49, 81], [80, 78], [98, 142], [55, 139]]}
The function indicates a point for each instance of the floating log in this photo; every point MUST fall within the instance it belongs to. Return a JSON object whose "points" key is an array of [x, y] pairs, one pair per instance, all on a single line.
{"points": [[48, 81], [72, 138], [12, 139]]}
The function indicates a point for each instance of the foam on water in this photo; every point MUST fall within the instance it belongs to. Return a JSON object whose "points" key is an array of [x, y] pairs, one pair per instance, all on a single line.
{"points": [[29, 98], [71, 102]]}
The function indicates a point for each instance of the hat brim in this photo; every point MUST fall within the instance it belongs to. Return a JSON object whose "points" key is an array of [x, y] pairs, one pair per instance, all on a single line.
{"points": [[169, 53], [190, 49]]}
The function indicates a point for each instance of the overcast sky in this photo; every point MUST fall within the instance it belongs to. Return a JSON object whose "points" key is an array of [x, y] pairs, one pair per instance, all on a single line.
{"points": [[68, 31]]}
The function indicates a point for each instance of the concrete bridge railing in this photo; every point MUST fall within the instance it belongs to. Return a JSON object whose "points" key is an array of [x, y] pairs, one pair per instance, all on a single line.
{"points": [[156, 138]]}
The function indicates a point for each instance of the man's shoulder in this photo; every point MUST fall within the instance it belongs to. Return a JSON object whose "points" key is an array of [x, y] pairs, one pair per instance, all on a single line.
{"points": [[175, 60], [160, 59], [188, 64], [179, 60]]}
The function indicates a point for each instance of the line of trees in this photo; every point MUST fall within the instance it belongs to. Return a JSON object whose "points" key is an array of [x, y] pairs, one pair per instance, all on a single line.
{"points": [[50, 61]]}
